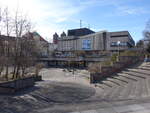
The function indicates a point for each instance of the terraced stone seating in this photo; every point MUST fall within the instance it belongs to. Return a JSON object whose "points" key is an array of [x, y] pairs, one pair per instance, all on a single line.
{"points": [[133, 83]]}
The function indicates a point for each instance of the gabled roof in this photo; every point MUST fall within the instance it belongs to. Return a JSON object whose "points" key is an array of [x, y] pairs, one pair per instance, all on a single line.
{"points": [[41, 38]]}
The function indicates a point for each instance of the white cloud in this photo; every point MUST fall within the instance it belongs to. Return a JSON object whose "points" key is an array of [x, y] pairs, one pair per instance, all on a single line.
{"points": [[46, 14], [126, 10]]}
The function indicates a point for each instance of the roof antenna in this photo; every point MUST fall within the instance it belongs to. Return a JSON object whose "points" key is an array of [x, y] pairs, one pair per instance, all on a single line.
{"points": [[80, 23]]}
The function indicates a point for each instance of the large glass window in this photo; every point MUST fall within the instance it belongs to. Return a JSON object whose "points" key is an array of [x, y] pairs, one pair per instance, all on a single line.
{"points": [[86, 44]]}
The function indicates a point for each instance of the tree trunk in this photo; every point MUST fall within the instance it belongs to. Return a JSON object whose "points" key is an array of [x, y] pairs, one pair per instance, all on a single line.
{"points": [[17, 72], [1, 69], [23, 71], [14, 72], [6, 74]]}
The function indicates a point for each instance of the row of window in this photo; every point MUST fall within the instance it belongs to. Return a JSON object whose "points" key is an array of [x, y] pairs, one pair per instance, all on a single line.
{"points": [[116, 36], [120, 44]]}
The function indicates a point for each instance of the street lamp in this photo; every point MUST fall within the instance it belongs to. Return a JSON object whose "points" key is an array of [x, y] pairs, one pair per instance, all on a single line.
{"points": [[118, 43]]}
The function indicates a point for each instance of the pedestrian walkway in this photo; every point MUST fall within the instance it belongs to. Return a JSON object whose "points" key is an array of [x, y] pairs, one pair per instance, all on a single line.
{"points": [[135, 108]]}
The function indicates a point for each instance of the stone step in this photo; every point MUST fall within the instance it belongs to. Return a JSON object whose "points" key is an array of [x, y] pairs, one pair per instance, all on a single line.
{"points": [[114, 81], [143, 68], [121, 80], [100, 86], [147, 66], [144, 64], [108, 93], [105, 90], [139, 89], [127, 90], [146, 70], [103, 87], [145, 89], [116, 92], [132, 93], [137, 74], [140, 71], [128, 76], [124, 78], [148, 85], [99, 91], [134, 75], [107, 83]]}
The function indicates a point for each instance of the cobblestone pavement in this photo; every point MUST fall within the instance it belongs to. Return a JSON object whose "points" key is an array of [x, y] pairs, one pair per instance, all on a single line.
{"points": [[64, 92]]}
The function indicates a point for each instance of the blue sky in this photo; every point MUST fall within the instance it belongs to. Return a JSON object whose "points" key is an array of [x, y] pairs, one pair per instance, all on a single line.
{"points": [[50, 16]]}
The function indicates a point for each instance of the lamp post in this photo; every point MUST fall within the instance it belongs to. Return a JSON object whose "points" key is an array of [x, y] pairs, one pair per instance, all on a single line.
{"points": [[118, 43]]}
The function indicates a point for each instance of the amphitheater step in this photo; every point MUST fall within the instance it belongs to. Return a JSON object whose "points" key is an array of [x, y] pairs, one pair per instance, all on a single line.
{"points": [[131, 74], [127, 90], [124, 78], [114, 81], [137, 74], [140, 71], [116, 92], [148, 85], [108, 93], [128, 76]]}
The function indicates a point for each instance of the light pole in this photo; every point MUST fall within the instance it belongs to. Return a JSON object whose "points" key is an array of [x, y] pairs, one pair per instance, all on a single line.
{"points": [[118, 43]]}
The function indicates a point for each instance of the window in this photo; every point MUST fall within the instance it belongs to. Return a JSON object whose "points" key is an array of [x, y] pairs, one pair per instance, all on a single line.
{"points": [[86, 44], [123, 44], [114, 44], [116, 36]]}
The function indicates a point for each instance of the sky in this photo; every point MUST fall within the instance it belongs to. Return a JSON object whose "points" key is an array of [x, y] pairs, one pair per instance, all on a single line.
{"points": [[50, 16]]}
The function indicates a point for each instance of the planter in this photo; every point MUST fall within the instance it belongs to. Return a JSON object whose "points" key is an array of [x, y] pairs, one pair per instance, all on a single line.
{"points": [[95, 77], [125, 62], [38, 78], [11, 87]]}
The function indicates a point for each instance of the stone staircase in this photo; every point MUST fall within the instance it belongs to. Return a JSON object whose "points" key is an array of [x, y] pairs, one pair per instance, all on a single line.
{"points": [[133, 83]]}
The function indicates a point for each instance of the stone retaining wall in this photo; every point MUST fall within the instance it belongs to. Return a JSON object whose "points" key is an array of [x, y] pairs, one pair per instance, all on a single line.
{"points": [[10, 87], [124, 62]]}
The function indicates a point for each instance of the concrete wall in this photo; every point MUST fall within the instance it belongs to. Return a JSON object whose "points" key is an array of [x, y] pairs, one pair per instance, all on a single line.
{"points": [[12, 86], [123, 37], [98, 41], [125, 61]]}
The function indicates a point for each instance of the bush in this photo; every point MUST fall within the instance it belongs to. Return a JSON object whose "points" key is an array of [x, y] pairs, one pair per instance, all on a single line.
{"points": [[129, 53], [114, 57], [38, 67]]}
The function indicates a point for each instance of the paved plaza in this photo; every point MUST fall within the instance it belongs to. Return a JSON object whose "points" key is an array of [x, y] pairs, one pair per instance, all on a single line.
{"points": [[64, 92]]}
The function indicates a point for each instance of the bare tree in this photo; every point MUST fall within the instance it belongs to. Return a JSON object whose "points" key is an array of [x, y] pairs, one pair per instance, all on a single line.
{"points": [[147, 31], [140, 44], [146, 34], [23, 45], [19, 51], [8, 25], [1, 45]]}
